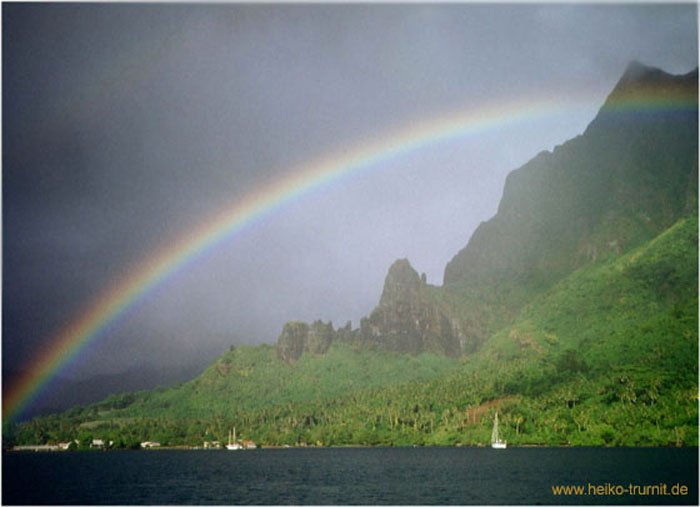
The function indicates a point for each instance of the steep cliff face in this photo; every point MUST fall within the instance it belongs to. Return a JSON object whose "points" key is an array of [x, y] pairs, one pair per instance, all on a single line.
{"points": [[298, 338], [407, 319], [598, 194], [628, 177]]}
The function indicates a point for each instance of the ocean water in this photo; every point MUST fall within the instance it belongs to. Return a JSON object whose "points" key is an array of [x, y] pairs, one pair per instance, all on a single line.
{"points": [[347, 476]]}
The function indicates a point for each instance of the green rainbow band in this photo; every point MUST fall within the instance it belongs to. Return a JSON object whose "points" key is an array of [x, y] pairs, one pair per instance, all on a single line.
{"points": [[91, 323]]}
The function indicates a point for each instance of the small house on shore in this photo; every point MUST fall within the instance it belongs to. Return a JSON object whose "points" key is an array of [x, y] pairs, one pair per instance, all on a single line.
{"points": [[248, 444]]}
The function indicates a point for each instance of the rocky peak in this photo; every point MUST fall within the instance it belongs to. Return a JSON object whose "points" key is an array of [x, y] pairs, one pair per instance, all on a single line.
{"points": [[407, 319], [641, 84], [298, 338], [636, 71], [401, 284]]}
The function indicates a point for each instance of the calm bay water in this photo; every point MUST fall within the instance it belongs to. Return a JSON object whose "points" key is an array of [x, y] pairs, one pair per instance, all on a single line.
{"points": [[425, 476]]}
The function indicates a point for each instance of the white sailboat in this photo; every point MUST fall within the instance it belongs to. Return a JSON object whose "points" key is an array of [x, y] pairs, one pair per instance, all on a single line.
{"points": [[496, 442], [232, 444]]}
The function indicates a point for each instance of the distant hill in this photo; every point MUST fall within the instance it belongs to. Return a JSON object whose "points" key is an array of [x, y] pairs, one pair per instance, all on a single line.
{"points": [[68, 391], [572, 312]]}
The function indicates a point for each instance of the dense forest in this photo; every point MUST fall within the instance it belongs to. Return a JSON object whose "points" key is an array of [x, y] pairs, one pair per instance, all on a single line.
{"points": [[608, 356], [572, 313]]}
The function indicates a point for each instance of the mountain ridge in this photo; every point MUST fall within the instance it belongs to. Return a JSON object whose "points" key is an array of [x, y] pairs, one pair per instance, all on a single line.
{"points": [[543, 166], [559, 211], [629, 379], [572, 311]]}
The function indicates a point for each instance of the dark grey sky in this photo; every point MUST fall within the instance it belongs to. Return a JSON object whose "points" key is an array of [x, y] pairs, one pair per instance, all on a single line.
{"points": [[126, 125]]}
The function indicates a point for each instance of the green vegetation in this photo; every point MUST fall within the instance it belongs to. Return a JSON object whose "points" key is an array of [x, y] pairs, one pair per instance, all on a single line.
{"points": [[607, 356], [573, 313]]}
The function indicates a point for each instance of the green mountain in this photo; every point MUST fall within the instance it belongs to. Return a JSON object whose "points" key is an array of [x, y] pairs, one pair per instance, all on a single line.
{"points": [[630, 176], [572, 312]]}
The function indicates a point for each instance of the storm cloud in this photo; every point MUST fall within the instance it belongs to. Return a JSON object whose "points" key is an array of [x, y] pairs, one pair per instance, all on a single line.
{"points": [[126, 125]]}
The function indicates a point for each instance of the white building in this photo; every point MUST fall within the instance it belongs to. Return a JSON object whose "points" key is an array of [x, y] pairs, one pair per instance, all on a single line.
{"points": [[249, 444]]}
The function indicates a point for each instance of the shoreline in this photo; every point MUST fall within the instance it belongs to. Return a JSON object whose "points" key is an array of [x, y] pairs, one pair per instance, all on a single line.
{"points": [[49, 448]]}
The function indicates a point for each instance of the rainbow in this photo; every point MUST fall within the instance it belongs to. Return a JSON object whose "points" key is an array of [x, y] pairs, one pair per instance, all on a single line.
{"points": [[266, 200]]}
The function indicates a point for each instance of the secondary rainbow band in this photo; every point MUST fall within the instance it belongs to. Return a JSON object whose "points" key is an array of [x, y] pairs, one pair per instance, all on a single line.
{"points": [[268, 199]]}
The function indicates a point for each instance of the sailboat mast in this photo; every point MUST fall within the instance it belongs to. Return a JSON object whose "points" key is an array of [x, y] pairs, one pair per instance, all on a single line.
{"points": [[494, 434]]}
